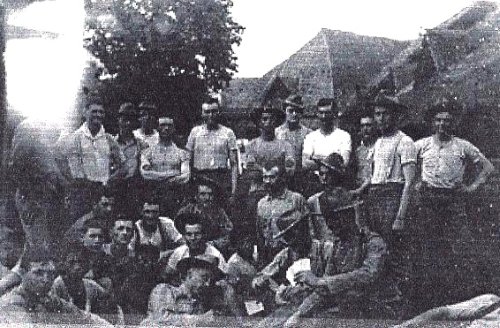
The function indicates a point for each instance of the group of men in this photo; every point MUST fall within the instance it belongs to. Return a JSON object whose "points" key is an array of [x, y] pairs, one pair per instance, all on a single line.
{"points": [[134, 227]]}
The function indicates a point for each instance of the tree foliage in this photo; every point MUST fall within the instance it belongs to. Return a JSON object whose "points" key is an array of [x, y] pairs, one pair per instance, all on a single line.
{"points": [[167, 51]]}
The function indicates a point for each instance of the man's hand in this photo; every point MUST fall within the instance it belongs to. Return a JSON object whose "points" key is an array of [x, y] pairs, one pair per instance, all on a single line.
{"points": [[292, 322], [260, 282], [398, 224], [306, 277]]}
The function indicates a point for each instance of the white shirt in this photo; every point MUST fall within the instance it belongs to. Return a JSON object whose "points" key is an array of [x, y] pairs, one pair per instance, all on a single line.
{"points": [[321, 145], [182, 252], [155, 238]]}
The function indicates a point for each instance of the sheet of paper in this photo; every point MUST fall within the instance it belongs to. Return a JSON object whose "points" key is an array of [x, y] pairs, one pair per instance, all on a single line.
{"points": [[253, 307], [297, 266]]}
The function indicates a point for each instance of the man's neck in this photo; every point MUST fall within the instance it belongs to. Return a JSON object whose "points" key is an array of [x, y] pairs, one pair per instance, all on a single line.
{"points": [[165, 142], [197, 251], [212, 126], [278, 192], [94, 129], [148, 131], [126, 137], [368, 141], [119, 250], [268, 135], [441, 137], [327, 129], [149, 227], [390, 131], [292, 126]]}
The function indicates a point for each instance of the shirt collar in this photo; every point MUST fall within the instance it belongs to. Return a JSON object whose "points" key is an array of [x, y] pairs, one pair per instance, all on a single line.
{"points": [[282, 196], [86, 132]]}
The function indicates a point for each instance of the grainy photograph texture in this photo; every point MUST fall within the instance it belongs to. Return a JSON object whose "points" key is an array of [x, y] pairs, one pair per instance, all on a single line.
{"points": [[219, 163]]}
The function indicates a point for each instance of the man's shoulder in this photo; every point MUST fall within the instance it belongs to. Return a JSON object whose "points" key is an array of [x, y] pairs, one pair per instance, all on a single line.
{"points": [[313, 134], [225, 130], [403, 136], [295, 195], [315, 197], [163, 289], [12, 298], [338, 132], [420, 143]]}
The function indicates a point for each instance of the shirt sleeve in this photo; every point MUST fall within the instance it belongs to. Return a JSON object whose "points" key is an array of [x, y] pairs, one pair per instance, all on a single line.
{"points": [[171, 231], [307, 152], [346, 148], [407, 151], [473, 308], [472, 152], [278, 265], [289, 158]]}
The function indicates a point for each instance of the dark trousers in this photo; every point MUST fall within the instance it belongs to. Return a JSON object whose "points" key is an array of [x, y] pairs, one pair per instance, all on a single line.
{"points": [[382, 207], [442, 227]]}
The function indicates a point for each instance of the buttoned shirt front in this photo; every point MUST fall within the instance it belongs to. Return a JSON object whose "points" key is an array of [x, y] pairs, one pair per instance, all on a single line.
{"points": [[269, 209], [319, 145], [92, 157], [164, 161], [390, 154], [443, 163], [211, 149], [295, 138]]}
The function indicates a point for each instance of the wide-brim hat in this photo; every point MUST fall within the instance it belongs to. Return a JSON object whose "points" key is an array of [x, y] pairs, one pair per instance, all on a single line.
{"points": [[388, 102], [205, 261], [450, 106], [288, 221], [256, 114], [294, 101]]}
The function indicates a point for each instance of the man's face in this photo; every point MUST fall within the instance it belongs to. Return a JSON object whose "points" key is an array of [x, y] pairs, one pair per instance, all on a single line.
{"points": [[38, 280], [293, 114], [76, 267], [95, 115], [271, 178], [199, 280], [93, 238], [125, 124], [205, 195], [122, 232], [210, 114], [385, 119], [366, 127], [267, 122], [105, 207], [325, 116], [324, 176], [166, 128], [151, 214], [443, 123], [147, 120], [194, 236]]}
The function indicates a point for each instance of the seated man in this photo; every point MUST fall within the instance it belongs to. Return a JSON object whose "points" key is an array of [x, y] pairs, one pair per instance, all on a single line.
{"points": [[32, 303], [85, 294], [156, 231], [102, 211], [345, 275], [218, 224], [192, 227], [482, 312], [193, 301]]}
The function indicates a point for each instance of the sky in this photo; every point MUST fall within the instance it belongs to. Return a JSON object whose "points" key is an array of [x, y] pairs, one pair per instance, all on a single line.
{"points": [[276, 29]]}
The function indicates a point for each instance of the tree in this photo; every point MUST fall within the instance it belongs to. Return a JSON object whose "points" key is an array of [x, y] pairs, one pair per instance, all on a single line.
{"points": [[168, 51]]}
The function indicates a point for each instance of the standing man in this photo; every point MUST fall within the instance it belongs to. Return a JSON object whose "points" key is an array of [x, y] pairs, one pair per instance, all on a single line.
{"points": [[213, 149], [295, 133], [394, 162], [89, 158], [165, 168], [132, 148], [329, 138], [364, 153], [280, 202], [148, 114], [443, 160]]}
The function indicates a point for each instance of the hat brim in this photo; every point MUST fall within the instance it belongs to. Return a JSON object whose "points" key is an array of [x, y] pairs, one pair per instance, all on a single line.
{"points": [[294, 104], [193, 262]]}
